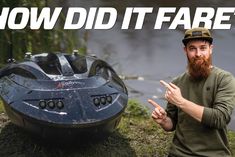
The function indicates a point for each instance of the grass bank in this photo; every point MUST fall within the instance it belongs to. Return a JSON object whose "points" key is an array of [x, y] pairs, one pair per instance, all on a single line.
{"points": [[137, 135], [1, 107]]}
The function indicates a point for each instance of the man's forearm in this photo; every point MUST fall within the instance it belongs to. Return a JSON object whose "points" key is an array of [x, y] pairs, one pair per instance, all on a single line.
{"points": [[174, 96], [194, 110]]}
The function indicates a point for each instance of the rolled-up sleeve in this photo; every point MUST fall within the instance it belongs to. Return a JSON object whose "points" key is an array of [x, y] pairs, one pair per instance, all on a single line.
{"points": [[220, 114]]}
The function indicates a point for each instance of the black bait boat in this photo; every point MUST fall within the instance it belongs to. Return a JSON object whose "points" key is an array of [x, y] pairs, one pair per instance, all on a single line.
{"points": [[62, 95]]}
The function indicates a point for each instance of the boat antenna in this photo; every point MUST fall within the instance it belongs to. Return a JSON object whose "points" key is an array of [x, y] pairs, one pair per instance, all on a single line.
{"points": [[10, 48]]}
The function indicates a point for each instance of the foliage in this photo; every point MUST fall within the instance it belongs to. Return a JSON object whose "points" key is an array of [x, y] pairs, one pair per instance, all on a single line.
{"points": [[134, 109], [1, 107], [144, 135], [40, 40], [231, 137]]}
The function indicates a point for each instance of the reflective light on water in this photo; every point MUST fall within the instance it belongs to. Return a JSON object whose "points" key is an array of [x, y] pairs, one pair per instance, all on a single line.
{"points": [[152, 55]]}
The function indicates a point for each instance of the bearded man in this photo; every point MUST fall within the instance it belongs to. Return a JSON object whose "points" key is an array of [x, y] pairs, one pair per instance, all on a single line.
{"points": [[200, 102]]}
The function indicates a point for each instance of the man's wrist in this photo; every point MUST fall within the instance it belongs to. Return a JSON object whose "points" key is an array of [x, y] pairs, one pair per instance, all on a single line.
{"points": [[164, 121], [167, 124], [182, 103]]}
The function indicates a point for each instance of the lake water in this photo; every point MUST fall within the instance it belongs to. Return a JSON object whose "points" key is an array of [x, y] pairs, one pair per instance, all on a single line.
{"points": [[146, 56]]}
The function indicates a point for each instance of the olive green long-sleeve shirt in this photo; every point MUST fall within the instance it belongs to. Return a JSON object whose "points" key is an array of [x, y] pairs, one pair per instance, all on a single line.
{"points": [[208, 137]]}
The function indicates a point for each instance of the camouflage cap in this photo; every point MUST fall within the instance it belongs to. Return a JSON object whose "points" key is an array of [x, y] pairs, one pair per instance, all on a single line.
{"points": [[197, 33]]}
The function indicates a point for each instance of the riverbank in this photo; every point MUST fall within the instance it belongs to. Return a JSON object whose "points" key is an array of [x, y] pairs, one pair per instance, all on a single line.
{"points": [[137, 135]]}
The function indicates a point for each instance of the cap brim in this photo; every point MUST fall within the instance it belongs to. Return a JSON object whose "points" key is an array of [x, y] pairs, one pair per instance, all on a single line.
{"points": [[193, 38]]}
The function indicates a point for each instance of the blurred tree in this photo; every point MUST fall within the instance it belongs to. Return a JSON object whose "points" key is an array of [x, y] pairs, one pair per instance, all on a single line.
{"points": [[35, 41]]}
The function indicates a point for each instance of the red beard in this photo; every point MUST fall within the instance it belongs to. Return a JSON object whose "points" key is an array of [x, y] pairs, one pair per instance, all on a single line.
{"points": [[199, 67]]}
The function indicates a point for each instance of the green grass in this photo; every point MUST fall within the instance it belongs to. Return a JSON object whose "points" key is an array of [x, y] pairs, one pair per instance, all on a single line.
{"points": [[137, 135], [231, 136], [1, 107], [145, 137]]}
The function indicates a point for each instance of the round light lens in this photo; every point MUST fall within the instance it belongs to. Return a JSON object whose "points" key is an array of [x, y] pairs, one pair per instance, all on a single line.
{"points": [[60, 104], [109, 99], [42, 104], [103, 100], [51, 104], [96, 101]]}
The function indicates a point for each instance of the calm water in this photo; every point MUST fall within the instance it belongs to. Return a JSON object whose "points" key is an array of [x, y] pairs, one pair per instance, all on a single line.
{"points": [[149, 54]]}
